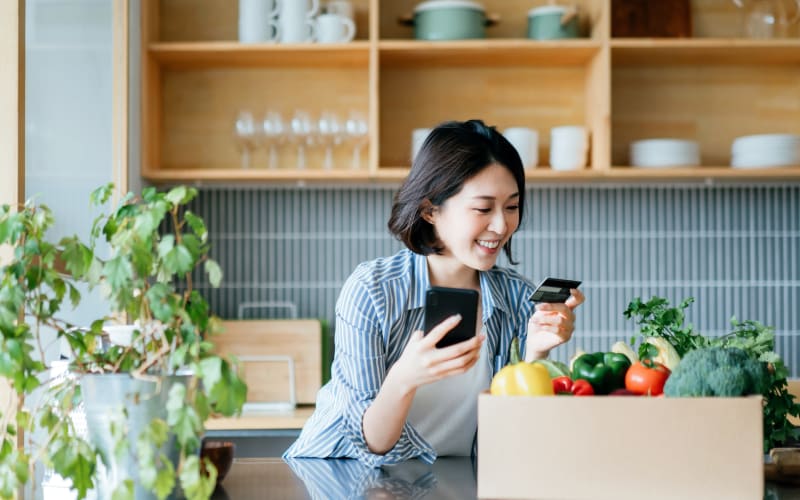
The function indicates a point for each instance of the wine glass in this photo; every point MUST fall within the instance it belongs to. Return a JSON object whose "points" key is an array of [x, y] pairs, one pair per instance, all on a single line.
{"points": [[301, 129], [245, 133], [330, 130], [273, 130], [356, 130]]}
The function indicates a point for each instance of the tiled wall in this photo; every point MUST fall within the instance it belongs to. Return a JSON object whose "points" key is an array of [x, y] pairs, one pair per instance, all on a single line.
{"points": [[735, 249]]}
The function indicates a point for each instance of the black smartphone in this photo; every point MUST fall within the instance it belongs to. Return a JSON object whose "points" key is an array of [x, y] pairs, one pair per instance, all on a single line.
{"points": [[441, 303], [553, 290]]}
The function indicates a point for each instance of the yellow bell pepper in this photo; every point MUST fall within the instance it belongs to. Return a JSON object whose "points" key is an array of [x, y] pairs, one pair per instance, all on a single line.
{"points": [[522, 379]]}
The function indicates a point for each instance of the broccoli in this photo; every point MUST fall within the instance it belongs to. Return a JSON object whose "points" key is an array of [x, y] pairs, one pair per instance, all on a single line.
{"points": [[716, 371]]}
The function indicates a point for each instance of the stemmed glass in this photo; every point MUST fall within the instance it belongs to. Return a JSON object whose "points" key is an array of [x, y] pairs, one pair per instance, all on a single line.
{"points": [[302, 134], [356, 130], [273, 130], [330, 130], [246, 135]]}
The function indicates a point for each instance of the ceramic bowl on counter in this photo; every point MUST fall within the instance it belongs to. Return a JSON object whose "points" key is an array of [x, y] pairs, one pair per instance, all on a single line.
{"points": [[450, 20]]}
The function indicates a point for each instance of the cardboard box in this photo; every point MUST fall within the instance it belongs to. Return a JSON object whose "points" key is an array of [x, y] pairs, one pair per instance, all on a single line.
{"points": [[617, 447]]}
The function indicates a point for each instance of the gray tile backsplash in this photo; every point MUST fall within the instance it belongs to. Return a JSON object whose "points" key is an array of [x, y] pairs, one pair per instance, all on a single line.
{"points": [[735, 248]]}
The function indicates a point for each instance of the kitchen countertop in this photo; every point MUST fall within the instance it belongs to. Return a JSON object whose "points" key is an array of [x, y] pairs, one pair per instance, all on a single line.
{"points": [[448, 478]]}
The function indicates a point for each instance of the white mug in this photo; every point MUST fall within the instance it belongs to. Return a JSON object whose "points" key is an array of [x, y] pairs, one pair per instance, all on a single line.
{"points": [[333, 28], [296, 20], [526, 141], [256, 20], [418, 136], [341, 7]]}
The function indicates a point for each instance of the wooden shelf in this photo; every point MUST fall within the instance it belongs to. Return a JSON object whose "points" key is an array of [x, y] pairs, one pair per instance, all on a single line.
{"points": [[235, 174], [508, 52], [197, 55], [711, 88], [704, 51], [686, 173]]}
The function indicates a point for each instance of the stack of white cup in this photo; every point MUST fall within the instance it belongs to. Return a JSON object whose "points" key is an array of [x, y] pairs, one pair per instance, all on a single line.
{"points": [[569, 146]]}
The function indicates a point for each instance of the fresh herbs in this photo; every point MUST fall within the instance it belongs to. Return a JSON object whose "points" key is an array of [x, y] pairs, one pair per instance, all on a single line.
{"points": [[758, 341], [656, 318]]}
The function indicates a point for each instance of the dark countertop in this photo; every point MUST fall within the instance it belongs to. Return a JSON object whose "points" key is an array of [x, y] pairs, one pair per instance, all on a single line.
{"points": [[447, 478]]}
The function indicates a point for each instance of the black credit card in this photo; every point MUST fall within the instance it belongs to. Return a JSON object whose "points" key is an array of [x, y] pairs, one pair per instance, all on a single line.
{"points": [[553, 290]]}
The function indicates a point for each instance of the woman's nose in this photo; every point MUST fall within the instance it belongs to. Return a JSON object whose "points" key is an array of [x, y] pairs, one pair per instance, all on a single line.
{"points": [[498, 223]]}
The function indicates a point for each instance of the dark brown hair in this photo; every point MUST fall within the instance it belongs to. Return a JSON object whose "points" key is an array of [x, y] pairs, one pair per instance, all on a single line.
{"points": [[452, 153]]}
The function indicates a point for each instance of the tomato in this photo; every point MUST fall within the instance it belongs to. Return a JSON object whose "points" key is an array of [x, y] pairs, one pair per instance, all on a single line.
{"points": [[646, 377]]}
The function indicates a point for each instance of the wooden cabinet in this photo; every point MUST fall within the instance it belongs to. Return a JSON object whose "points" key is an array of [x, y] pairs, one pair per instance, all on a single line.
{"points": [[711, 88]]}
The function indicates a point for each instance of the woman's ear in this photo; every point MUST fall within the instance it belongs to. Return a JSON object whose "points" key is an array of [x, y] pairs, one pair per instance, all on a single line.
{"points": [[426, 211]]}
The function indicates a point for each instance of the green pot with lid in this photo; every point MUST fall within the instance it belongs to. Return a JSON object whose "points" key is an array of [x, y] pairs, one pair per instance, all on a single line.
{"points": [[552, 22], [449, 20]]}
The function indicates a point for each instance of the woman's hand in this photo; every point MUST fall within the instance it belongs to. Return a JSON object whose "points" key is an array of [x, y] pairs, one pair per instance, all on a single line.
{"points": [[422, 363], [551, 325]]}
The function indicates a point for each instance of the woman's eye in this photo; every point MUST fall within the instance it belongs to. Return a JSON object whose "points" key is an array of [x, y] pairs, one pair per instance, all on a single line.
{"points": [[512, 208], [483, 210]]}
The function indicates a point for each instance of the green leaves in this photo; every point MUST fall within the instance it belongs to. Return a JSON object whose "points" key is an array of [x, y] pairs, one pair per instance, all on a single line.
{"points": [[156, 475], [118, 272], [214, 273], [176, 258], [183, 419], [226, 391], [193, 482], [156, 249]]}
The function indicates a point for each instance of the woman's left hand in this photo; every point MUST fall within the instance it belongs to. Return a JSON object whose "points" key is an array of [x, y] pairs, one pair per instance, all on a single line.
{"points": [[551, 325]]}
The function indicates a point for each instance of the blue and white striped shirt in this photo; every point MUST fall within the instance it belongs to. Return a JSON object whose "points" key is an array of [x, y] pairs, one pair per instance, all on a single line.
{"points": [[380, 305]]}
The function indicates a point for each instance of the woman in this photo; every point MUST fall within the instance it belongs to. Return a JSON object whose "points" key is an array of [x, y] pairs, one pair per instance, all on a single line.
{"points": [[393, 395]]}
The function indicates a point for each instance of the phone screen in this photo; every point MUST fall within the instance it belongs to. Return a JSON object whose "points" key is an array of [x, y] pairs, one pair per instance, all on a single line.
{"points": [[441, 303]]}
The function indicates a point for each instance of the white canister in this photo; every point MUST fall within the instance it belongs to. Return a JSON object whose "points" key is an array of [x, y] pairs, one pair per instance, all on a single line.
{"points": [[569, 146], [418, 136], [526, 141], [257, 20]]}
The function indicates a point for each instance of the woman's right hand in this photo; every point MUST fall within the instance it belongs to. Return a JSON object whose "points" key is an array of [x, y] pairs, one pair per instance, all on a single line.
{"points": [[422, 362]]}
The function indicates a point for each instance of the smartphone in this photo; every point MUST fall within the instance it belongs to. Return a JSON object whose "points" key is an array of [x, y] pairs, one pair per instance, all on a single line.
{"points": [[553, 290], [441, 303]]}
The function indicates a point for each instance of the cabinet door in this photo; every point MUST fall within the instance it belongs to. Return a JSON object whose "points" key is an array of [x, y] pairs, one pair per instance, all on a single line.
{"points": [[75, 114]]}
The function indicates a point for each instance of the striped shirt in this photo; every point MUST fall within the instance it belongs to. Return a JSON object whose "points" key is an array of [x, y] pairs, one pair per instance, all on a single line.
{"points": [[380, 305]]}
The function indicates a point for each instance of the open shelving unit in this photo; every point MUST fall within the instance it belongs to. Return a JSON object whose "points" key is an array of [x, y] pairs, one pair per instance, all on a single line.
{"points": [[711, 88]]}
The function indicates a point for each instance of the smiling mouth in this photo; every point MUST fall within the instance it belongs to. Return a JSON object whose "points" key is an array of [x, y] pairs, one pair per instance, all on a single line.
{"points": [[489, 244]]}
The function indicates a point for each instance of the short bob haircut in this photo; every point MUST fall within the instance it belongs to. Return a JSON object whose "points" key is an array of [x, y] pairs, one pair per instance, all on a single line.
{"points": [[452, 153]]}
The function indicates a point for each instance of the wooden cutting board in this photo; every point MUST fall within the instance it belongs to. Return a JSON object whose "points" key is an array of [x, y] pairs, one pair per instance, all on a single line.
{"points": [[301, 339]]}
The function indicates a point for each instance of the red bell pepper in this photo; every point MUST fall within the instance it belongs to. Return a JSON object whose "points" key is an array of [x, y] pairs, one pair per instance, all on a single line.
{"points": [[582, 387], [566, 386]]}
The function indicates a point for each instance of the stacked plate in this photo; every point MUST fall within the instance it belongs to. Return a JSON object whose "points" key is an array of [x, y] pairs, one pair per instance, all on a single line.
{"points": [[765, 150], [654, 153]]}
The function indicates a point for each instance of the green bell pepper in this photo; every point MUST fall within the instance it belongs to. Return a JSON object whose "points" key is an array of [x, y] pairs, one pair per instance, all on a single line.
{"points": [[605, 371]]}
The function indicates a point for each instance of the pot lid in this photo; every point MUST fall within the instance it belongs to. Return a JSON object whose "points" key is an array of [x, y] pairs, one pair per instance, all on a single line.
{"points": [[547, 9], [448, 4]]}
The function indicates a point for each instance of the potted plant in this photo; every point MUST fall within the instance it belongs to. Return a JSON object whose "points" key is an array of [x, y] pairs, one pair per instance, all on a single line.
{"points": [[166, 378]]}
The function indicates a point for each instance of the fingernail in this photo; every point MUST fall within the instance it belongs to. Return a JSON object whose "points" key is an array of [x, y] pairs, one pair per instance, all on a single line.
{"points": [[455, 317]]}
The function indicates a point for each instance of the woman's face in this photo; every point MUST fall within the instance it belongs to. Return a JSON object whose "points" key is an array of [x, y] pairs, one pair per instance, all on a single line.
{"points": [[474, 224]]}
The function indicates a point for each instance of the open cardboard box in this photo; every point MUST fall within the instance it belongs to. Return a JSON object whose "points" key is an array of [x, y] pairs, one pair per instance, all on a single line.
{"points": [[609, 447]]}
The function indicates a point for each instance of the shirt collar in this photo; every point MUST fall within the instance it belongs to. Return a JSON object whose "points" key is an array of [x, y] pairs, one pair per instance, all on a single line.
{"points": [[492, 296]]}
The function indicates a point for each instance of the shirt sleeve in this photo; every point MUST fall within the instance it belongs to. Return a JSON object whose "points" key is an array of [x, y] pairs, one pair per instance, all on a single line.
{"points": [[361, 355]]}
